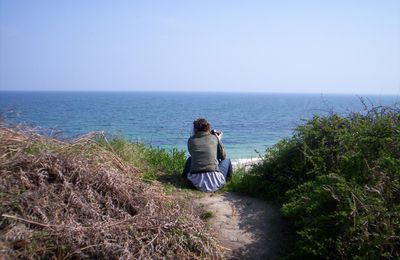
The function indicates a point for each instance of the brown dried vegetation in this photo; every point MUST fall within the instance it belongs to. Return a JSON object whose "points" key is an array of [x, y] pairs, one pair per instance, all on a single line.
{"points": [[76, 200]]}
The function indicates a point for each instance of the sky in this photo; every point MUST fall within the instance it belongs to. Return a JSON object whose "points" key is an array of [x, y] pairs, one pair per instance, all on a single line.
{"points": [[342, 46]]}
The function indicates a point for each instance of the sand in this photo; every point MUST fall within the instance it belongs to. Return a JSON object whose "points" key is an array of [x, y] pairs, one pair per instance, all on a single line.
{"points": [[244, 163]]}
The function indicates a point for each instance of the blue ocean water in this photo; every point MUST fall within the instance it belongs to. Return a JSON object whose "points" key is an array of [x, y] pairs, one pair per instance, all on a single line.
{"points": [[250, 122]]}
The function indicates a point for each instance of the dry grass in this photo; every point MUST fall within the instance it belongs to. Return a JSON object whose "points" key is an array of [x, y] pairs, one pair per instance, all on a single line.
{"points": [[76, 200]]}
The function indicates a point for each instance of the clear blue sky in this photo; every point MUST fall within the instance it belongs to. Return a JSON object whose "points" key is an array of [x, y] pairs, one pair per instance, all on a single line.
{"points": [[340, 46]]}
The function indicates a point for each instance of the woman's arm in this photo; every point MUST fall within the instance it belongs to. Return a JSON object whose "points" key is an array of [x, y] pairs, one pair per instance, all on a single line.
{"points": [[220, 148]]}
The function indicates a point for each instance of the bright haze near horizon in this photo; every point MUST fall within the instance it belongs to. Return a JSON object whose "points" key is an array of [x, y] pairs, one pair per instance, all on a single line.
{"points": [[227, 46]]}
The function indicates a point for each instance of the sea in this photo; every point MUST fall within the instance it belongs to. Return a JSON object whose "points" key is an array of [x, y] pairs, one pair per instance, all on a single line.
{"points": [[250, 122]]}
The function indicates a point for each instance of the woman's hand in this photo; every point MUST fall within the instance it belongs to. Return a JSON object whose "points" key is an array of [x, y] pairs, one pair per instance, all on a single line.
{"points": [[219, 136]]}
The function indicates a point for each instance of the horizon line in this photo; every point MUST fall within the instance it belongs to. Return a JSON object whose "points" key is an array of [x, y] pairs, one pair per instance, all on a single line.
{"points": [[205, 92]]}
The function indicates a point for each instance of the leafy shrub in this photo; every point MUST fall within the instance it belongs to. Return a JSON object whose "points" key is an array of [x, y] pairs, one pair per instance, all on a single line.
{"points": [[245, 182], [338, 179]]}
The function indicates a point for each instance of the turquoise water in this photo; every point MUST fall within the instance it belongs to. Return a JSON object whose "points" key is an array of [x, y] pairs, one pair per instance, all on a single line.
{"points": [[249, 121]]}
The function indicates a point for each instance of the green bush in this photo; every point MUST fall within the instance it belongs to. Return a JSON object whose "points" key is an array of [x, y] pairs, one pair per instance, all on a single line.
{"points": [[245, 182], [338, 179]]}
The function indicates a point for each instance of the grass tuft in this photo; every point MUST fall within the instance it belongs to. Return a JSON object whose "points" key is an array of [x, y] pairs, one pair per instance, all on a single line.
{"points": [[207, 215], [153, 163]]}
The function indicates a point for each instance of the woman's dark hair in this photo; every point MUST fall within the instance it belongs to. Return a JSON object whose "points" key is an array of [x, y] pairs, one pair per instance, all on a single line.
{"points": [[201, 124]]}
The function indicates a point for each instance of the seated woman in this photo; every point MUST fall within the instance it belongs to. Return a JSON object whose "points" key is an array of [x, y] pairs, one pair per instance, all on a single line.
{"points": [[207, 168]]}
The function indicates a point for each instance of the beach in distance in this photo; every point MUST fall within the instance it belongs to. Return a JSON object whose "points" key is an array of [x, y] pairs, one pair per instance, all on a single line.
{"points": [[251, 122]]}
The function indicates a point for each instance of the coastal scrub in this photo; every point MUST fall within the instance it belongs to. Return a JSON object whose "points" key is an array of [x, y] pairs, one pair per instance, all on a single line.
{"points": [[77, 199], [338, 181]]}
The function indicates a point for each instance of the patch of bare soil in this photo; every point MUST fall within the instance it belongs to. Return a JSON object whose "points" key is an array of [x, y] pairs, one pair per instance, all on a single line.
{"points": [[247, 228]]}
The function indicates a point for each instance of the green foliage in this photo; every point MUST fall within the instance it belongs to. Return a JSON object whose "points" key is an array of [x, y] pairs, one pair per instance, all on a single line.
{"points": [[338, 179], [206, 215], [38, 147], [245, 182], [153, 163]]}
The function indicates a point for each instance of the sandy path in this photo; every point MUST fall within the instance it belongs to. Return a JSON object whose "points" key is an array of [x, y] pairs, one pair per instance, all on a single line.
{"points": [[247, 227]]}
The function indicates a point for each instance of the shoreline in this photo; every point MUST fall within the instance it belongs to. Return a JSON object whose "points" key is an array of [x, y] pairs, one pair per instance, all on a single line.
{"points": [[245, 163]]}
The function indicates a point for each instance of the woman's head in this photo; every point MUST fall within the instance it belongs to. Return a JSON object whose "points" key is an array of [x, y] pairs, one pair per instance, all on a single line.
{"points": [[201, 124]]}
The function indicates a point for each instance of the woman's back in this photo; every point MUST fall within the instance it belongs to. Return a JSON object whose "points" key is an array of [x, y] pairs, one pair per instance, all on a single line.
{"points": [[203, 148]]}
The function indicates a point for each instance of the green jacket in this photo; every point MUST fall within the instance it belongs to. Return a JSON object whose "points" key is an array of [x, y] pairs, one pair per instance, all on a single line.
{"points": [[206, 151]]}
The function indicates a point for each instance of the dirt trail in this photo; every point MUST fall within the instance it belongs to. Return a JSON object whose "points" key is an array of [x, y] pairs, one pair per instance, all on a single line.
{"points": [[247, 227]]}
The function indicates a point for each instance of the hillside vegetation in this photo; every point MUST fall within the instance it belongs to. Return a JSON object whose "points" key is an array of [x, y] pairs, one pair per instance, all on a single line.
{"points": [[338, 180], [84, 199]]}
